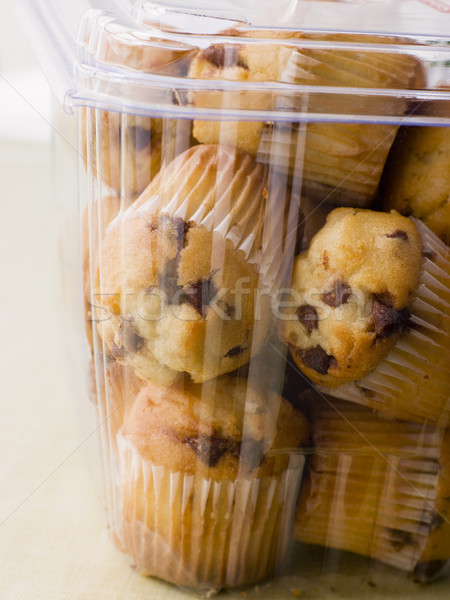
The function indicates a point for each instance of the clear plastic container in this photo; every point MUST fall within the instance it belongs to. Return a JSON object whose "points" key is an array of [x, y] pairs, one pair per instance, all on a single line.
{"points": [[261, 218]]}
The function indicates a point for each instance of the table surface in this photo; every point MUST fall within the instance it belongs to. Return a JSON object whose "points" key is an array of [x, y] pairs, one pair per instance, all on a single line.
{"points": [[53, 538]]}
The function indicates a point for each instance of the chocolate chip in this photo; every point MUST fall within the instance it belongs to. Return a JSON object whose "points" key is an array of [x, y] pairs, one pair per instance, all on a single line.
{"points": [[387, 319], [431, 570], [181, 227], [340, 293], [200, 294], [173, 291], [131, 341], [223, 56], [161, 222], [251, 453], [317, 359], [235, 351], [141, 137], [399, 233], [210, 449], [118, 352], [399, 539], [230, 311], [308, 317]]}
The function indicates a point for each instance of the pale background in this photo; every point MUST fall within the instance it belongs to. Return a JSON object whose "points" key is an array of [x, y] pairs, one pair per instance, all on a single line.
{"points": [[53, 538]]}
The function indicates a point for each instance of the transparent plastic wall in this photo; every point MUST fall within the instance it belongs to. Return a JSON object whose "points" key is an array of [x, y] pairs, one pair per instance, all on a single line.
{"points": [[264, 278]]}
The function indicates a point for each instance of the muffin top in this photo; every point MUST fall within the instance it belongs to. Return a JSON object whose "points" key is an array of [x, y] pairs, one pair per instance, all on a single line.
{"points": [[351, 291], [219, 429]]}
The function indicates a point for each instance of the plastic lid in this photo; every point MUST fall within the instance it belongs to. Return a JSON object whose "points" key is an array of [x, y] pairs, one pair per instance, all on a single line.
{"points": [[391, 17], [136, 56]]}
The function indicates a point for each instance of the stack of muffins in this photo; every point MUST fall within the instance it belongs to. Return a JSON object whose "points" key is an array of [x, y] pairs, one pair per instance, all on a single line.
{"points": [[192, 233]]}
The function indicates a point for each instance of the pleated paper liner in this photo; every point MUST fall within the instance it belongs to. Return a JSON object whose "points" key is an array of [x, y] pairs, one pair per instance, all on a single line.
{"points": [[339, 163], [413, 381], [375, 487], [352, 68], [206, 533], [227, 192]]}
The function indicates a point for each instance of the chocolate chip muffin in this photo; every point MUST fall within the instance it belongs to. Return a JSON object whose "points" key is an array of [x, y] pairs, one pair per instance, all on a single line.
{"points": [[173, 297], [376, 487], [412, 381], [352, 290], [417, 178], [210, 476]]}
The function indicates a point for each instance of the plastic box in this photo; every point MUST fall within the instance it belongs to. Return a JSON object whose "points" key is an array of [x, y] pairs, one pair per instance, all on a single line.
{"points": [[263, 342]]}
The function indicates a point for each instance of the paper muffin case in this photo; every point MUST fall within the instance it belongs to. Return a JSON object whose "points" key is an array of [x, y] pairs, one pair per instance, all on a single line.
{"points": [[202, 533], [413, 381], [339, 163], [343, 162], [227, 192], [375, 488]]}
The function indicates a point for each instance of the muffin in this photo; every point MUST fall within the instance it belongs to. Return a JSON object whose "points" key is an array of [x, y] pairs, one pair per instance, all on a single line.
{"points": [[369, 321], [126, 151], [170, 302], [352, 308], [417, 178], [341, 162], [183, 272], [210, 477], [376, 488]]}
